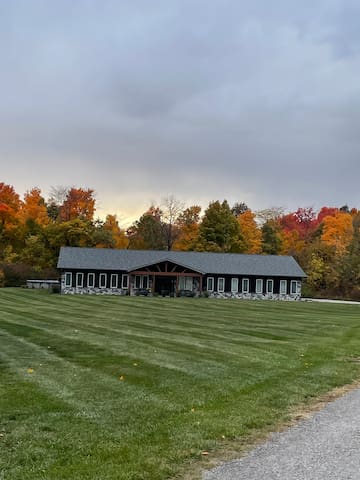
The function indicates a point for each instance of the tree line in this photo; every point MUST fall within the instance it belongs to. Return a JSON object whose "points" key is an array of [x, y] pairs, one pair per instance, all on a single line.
{"points": [[326, 243]]}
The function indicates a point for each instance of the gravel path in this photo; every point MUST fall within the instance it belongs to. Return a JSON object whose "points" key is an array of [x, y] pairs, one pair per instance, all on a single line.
{"points": [[324, 447]]}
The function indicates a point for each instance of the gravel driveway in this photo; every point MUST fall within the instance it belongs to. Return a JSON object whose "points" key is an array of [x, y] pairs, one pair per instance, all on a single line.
{"points": [[324, 447]]}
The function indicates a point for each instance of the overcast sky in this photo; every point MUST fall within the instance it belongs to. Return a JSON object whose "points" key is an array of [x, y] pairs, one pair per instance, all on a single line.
{"points": [[248, 100]]}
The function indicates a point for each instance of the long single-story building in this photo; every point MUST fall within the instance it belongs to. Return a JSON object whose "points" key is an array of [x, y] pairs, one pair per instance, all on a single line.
{"points": [[149, 272]]}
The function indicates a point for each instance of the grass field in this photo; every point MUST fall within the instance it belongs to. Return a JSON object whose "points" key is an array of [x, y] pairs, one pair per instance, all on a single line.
{"points": [[137, 388]]}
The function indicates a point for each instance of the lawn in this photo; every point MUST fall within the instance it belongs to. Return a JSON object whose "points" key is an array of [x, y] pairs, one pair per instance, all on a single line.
{"points": [[139, 388]]}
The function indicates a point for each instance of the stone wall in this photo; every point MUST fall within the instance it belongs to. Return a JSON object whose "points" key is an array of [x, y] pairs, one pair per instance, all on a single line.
{"points": [[93, 291], [256, 296], [225, 295]]}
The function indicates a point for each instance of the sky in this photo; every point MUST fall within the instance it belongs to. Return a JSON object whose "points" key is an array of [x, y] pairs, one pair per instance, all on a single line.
{"points": [[249, 100]]}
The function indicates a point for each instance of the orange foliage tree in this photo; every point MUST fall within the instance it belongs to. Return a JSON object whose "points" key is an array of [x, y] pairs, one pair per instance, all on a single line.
{"points": [[79, 203], [337, 231]]}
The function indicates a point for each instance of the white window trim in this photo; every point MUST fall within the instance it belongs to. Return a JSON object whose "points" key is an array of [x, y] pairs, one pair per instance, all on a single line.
{"points": [[296, 283], [114, 275], [235, 281], [101, 283], [147, 281], [125, 276], [208, 280], [243, 290], [259, 281], [218, 284], [92, 276], [79, 284], [269, 282], [283, 282], [68, 275]]}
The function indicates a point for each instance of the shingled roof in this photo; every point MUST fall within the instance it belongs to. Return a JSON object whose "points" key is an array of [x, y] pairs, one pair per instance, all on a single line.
{"points": [[77, 258]]}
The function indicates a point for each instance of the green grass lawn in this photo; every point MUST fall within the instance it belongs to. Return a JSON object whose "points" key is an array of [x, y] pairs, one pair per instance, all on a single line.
{"points": [[137, 388]]}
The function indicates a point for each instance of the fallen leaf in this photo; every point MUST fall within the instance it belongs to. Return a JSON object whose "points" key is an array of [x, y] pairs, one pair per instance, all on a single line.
{"points": [[30, 370], [121, 377], [204, 453]]}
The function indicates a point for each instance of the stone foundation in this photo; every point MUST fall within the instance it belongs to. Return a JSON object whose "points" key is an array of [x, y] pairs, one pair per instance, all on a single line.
{"points": [[225, 295]]}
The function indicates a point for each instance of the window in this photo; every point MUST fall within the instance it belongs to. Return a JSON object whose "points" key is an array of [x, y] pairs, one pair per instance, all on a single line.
{"points": [[185, 283], [91, 280], [221, 284], [294, 287], [210, 284], [259, 285], [283, 287], [102, 280], [113, 280], [245, 285], [141, 281], [79, 279], [269, 286], [125, 281], [234, 284], [68, 279]]}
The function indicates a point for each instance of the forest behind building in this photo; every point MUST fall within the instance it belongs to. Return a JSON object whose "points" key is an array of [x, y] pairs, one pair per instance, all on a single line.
{"points": [[325, 242]]}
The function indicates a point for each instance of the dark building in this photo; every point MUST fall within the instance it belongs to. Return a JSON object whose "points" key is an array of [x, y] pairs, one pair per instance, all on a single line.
{"points": [[148, 272]]}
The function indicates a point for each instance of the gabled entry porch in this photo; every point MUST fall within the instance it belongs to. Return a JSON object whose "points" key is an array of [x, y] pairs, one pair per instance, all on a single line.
{"points": [[165, 278]]}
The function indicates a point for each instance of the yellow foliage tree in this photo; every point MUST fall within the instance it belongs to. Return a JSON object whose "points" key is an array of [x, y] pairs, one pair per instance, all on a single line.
{"points": [[338, 231], [250, 231], [112, 225]]}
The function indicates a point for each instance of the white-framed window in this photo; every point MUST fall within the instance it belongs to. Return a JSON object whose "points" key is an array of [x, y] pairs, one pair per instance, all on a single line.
{"points": [[145, 281], [210, 284], [234, 285], [137, 281], [114, 280], [125, 282], [259, 285], [283, 287], [269, 286], [68, 279], [245, 285], [221, 284], [79, 279], [141, 281], [102, 280], [294, 287], [91, 280], [185, 283]]}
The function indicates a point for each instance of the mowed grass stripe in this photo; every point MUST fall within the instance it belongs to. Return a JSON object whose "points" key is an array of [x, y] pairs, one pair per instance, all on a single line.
{"points": [[157, 380]]}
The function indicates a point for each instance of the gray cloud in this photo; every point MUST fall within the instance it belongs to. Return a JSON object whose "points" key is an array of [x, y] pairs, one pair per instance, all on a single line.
{"points": [[254, 101]]}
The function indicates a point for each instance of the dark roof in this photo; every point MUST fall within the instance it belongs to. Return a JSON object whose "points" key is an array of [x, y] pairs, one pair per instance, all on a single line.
{"points": [[216, 263]]}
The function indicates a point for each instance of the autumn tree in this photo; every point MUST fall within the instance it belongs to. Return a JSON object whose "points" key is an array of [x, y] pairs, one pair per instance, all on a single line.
{"points": [[78, 203], [118, 235], [34, 208], [10, 227], [337, 231], [350, 264], [188, 227], [250, 231]]}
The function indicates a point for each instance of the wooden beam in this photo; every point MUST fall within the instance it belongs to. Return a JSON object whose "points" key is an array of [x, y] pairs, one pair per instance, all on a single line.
{"points": [[166, 274]]}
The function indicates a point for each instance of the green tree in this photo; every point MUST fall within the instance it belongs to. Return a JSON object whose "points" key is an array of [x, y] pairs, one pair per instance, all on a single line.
{"points": [[147, 233], [271, 237], [219, 230]]}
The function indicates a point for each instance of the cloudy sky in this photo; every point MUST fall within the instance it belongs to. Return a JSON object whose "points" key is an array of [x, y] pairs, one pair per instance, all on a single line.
{"points": [[249, 100]]}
